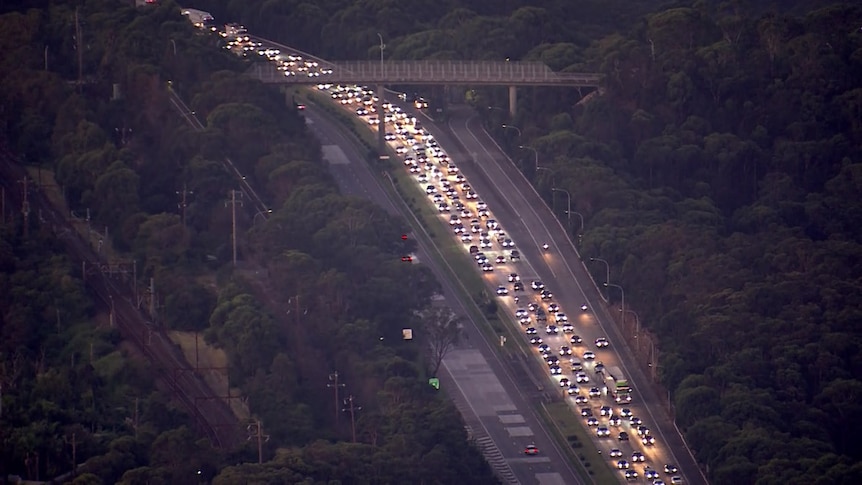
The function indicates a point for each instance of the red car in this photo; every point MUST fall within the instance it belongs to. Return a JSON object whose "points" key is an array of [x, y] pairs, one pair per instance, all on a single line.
{"points": [[531, 450]]}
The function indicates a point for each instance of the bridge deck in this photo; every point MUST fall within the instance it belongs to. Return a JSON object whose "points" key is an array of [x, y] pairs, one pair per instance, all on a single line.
{"points": [[433, 72]]}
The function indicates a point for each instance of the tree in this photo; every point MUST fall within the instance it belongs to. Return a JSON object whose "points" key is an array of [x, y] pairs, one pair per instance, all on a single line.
{"points": [[442, 327]]}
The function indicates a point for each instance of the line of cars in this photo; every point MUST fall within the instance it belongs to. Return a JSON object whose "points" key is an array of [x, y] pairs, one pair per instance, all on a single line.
{"points": [[497, 256]]}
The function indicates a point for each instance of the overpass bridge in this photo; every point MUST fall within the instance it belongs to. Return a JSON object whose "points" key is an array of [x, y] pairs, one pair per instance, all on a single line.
{"points": [[440, 72]]}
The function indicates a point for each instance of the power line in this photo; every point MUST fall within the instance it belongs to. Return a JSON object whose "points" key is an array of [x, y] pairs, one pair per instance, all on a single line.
{"points": [[335, 385]]}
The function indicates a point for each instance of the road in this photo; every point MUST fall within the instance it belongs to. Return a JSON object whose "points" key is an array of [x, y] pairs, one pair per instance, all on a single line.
{"points": [[112, 294], [530, 223], [498, 407]]}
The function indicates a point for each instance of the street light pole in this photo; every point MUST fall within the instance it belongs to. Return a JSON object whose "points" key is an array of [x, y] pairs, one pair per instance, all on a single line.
{"points": [[637, 331], [607, 270], [510, 127], [568, 206], [535, 154], [623, 293]]}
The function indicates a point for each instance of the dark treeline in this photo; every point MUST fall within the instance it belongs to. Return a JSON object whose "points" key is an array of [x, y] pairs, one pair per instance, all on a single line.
{"points": [[718, 172], [320, 286]]}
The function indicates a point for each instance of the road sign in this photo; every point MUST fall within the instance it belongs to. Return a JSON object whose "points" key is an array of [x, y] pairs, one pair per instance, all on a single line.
{"points": [[435, 382]]}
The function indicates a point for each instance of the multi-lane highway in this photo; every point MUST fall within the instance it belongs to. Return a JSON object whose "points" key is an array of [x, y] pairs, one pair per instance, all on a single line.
{"points": [[495, 403]]}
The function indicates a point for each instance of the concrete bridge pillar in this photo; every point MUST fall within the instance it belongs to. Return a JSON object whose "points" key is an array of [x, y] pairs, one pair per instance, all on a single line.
{"points": [[513, 101], [381, 128]]}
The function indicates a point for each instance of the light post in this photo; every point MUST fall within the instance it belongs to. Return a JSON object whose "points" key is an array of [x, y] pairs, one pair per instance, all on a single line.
{"points": [[510, 127], [261, 214], [607, 270], [637, 330], [568, 206], [382, 47], [623, 293], [535, 154]]}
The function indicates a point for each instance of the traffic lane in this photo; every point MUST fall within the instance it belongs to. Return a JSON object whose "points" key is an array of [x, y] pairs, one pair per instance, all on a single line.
{"points": [[359, 180], [544, 223], [557, 281]]}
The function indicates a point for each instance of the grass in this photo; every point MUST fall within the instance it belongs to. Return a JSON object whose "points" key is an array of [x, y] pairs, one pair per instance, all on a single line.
{"points": [[213, 364], [577, 442]]}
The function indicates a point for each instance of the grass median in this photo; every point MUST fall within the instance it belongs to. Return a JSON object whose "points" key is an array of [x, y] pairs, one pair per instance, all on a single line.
{"points": [[578, 443]]}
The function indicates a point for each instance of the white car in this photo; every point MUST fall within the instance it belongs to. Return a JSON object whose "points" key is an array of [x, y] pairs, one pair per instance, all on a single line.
{"points": [[551, 330], [582, 378], [561, 317], [487, 267], [513, 277], [603, 432], [602, 342], [466, 238], [568, 328], [589, 355], [537, 285], [430, 189], [507, 243], [521, 312], [454, 219], [471, 195], [502, 291]]}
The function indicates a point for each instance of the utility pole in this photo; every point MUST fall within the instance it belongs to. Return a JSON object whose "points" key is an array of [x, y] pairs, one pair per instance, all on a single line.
{"points": [[25, 206], [182, 205], [233, 202], [80, 49], [255, 431], [335, 385], [351, 407]]}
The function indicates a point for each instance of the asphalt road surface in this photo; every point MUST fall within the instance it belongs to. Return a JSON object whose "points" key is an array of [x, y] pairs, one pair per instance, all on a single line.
{"points": [[498, 407], [530, 223]]}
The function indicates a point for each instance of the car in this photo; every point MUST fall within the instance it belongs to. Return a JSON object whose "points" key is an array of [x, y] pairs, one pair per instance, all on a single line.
{"points": [[623, 436], [500, 259], [589, 355], [508, 243], [492, 224], [576, 340], [546, 295], [487, 267], [465, 238], [553, 308], [531, 331], [564, 382], [622, 464], [515, 256], [637, 457], [502, 291], [454, 219], [465, 213], [544, 348], [580, 400], [486, 244], [631, 475], [480, 258], [616, 453], [576, 364], [474, 249], [648, 440], [615, 420], [556, 370], [568, 328], [521, 312], [658, 482], [460, 229], [594, 392], [602, 342], [603, 431], [605, 411], [591, 421], [650, 474], [535, 340], [564, 350], [407, 259], [573, 389], [533, 306], [471, 195], [536, 285], [676, 480], [518, 286], [626, 412], [584, 307], [531, 450], [582, 378], [561, 317], [635, 421], [481, 205], [551, 330], [671, 469], [599, 368], [524, 320], [643, 431], [443, 207], [430, 189], [553, 360], [586, 412], [513, 277], [482, 213]]}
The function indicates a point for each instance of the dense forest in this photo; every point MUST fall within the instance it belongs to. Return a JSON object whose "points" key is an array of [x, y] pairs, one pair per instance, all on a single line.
{"points": [[718, 172], [319, 286]]}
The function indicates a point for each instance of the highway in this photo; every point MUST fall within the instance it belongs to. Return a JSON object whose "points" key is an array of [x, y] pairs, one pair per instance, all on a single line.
{"points": [[530, 223], [497, 406]]}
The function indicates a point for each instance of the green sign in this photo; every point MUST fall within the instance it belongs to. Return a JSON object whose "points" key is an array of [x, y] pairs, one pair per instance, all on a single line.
{"points": [[435, 382]]}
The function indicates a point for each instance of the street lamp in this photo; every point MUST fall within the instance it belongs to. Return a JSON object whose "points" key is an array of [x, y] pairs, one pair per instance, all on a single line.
{"points": [[568, 206], [637, 330], [261, 214], [382, 47], [607, 270], [535, 154], [513, 128], [623, 309]]}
